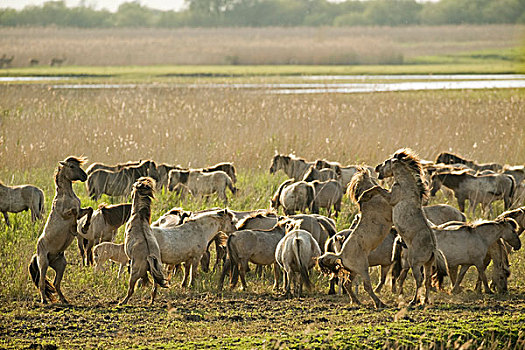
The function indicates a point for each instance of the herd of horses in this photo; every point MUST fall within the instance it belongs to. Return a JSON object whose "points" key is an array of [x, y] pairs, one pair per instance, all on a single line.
{"points": [[394, 228]]}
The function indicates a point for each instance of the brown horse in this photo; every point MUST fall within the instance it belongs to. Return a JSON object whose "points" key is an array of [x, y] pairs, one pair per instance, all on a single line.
{"points": [[20, 198], [60, 229]]}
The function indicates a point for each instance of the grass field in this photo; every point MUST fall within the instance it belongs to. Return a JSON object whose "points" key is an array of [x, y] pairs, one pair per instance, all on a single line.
{"points": [[40, 125], [487, 44]]}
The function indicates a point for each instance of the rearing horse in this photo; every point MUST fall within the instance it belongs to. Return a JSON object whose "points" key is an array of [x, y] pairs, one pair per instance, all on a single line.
{"points": [[60, 229], [406, 197]]}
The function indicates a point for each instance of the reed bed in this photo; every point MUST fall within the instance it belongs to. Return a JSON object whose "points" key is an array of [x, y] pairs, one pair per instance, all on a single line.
{"points": [[218, 46]]}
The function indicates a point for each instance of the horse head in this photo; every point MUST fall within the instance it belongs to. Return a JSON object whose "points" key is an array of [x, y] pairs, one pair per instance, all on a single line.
{"points": [[70, 169], [510, 233]]}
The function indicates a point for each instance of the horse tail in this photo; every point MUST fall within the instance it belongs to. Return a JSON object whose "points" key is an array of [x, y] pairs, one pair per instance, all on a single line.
{"points": [[396, 258], [34, 271], [275, 199], [310, 199], [327, 226], [234, 259], [41, 208], [229, 183], [511, 193], [156, 271], [302, 268], [441, 267]]}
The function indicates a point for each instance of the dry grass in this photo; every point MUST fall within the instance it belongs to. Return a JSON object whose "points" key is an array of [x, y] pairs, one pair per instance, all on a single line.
{"points": [[199, 127], [356, 45]]}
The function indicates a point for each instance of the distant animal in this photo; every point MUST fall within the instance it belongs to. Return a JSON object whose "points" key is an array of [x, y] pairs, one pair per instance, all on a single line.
{"points": [[33, 62], [296, 254], [295, 196], [60, 230], [328, 195], [110, 251], [292, 166], [119, 183], [140, 244], [187, 242], [202, 183], [371, 229], [482, 189], [406, 197], [441, 213], [6, 61], [255, 246], [105, 223], [55, 61], [14, 199], [467, 244], [164, 170], [450, 158]]}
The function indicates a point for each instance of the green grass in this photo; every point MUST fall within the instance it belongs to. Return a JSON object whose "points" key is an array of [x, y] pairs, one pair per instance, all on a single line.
{"points": [[145, 72]]}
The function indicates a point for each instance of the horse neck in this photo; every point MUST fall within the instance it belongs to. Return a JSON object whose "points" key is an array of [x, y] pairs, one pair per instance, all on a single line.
{"points": [[64, 186], [404, 177], [490, 235], [141, 206], [209, 226]]}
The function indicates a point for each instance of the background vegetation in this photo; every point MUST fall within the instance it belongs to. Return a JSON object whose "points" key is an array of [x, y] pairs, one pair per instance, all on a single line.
{"points": [[493, 46], [258, 13]]}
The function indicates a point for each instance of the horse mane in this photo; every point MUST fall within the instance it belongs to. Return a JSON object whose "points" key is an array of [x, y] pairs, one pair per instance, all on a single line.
{"points": [[260, 214], [354, 189], [514, 213], [74, 159], [408, 157], [144, 188]]}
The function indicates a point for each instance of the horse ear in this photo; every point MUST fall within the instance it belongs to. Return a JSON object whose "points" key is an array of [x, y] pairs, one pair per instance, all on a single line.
{"points": [[62, 163]]}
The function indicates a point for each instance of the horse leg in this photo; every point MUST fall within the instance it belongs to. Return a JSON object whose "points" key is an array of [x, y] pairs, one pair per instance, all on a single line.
{"points": [[120, 269], [483, 277], [194, 266], [243, 266], [6, 217], [225, 269], [43, 264], [428, 279], [453, 274], [384, 273], [368, 287], [187, 267], [133, 278], [462, 272], [333, 282], [348, 286], [59, 265], [80, 243], [286, 281], [89, 251], [401, 280], [153, 292], [416, 272], [276, 276]]}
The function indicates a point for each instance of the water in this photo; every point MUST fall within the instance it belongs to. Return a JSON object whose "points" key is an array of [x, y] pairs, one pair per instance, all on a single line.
{"points": [[412, 83]]}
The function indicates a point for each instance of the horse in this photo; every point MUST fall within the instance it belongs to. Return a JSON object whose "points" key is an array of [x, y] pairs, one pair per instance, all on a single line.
{"points": [[328, 194], [188, 242], [110, 251], [406, 197], [296, 254], [370, 230], [119, 183], [140, 244], [518, 215], [467, 244], [295, 196], [292, 166], [321, 175], [517, 172], [60, 230], [450, 158], [105, 222], [440, 213], [482, 189], [15, 199], [201, 183], [345, 172], [173, 217]]}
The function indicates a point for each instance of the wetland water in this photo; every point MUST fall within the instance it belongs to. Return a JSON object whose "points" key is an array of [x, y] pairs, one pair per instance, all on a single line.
{"points": [[319, 84]]}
